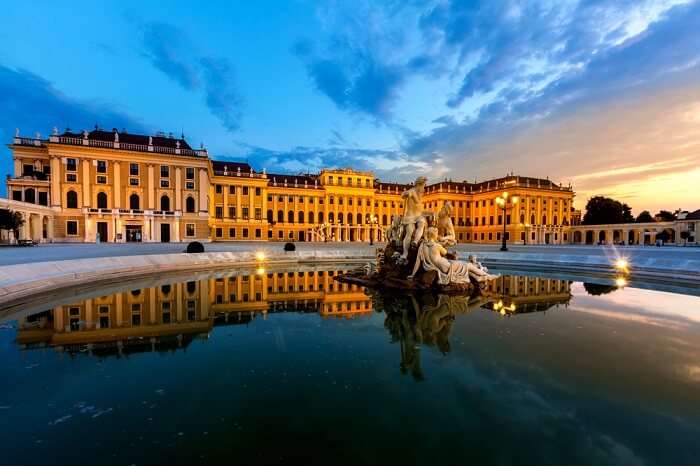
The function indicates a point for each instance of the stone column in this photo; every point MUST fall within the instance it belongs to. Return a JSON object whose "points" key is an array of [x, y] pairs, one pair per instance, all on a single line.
{"points": [[203, 191], [204, 300], [119, 306], [151, 187], [117, 190], [152, 305], [55, 182], [86, 183], [178, 188], [58, 321]]}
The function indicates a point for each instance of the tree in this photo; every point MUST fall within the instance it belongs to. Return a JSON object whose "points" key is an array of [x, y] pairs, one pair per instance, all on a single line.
{"points": [[604, 210], [665, 216], [10, 220], [685, 234], [644, 217]]}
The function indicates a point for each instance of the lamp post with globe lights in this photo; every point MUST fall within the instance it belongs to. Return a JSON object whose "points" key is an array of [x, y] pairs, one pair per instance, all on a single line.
{"points": [[372, 220], [503, 202]]}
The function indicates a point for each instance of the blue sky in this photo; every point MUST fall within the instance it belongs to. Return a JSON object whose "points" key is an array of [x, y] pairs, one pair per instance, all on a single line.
{"points": [[603, 94]]}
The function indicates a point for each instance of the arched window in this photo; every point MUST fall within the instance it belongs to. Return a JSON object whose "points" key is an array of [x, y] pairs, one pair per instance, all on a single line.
{"points": [[270, 216], [290, 216], [544, 220], [320, 217], [189, 204], [164, 202], [134, 202], [300, 216], [280, 216], [191, 287], [71, 200], [349, 219], [522, 218], [101, 200], [340, 218], [384, 220], [532, 219], [359, 219], [330, 217], [311, 217], [30, 195]]}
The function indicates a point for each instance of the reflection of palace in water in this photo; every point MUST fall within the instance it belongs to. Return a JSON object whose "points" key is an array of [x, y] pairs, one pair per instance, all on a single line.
{"points": [[428, 319], [171, 315], [519, 294]]}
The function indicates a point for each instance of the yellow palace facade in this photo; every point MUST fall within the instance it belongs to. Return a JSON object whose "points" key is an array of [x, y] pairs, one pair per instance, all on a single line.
{"points": [[120, 187]]}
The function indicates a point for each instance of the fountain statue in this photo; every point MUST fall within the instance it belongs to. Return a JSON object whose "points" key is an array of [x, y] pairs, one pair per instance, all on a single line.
{"points": [[416, 255], [431, 256]]}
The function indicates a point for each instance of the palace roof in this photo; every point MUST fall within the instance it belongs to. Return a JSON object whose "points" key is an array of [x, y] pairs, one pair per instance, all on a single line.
{"points": [[159, 140]]}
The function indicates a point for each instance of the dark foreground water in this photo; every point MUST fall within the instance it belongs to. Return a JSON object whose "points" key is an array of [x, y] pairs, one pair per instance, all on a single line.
{"points": [[292, 367]]}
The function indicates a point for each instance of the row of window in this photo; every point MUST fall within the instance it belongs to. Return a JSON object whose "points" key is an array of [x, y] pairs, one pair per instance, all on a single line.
{"points": [[134, 202], [134, 168]]}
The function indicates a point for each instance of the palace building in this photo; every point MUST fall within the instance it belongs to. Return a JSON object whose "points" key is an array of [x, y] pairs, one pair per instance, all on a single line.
{"points": [[123, 187]]}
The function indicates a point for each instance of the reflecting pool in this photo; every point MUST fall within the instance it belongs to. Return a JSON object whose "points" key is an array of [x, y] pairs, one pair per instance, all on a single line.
{"points": [[293, 367]]}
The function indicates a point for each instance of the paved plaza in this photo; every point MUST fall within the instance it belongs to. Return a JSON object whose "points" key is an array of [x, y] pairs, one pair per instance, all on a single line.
{"points": [[56, 252]]}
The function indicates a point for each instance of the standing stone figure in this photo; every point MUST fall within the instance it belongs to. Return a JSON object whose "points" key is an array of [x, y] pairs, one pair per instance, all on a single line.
{"points": [[446, 230], [414, 218]]}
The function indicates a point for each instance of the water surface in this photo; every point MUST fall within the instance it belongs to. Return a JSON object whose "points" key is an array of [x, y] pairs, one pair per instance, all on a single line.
{"points": [[292, 367]]}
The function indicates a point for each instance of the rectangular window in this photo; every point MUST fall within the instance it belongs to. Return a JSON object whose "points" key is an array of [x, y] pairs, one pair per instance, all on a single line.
{"points": [[189, 229], [219, 232], [245, 190], [189, 173], [164, 171], [27, 169], [101, 179], [258, 191], [258, 213], [258, 233], [232, 232], [16, 195], [245, 232], [71, 178], [133, 181], [219, 211], [134, 169], [164, 183], [72, 227], [189, 185], [245, 213], [218, 189], [71, 165], [101, 166]]}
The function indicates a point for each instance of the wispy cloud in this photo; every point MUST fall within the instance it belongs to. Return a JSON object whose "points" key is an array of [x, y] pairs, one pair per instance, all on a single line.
{"points": [[170, 51], [166, 48]]}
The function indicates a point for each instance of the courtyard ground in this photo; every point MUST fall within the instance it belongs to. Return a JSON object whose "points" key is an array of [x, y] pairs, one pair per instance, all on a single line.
{"points": [[63, 251]]}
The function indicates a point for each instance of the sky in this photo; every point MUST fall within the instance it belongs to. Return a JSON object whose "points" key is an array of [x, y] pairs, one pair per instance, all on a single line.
{"points": [[602, 94]]}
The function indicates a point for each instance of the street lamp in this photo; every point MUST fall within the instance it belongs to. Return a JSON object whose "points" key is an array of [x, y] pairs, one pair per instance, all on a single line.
{"points": [[373, 221], [502, 202]]}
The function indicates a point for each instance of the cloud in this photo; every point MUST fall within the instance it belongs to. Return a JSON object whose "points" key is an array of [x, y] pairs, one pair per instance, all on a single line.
{"points": [[31, 103], [387, 165], [170, 51], [221, 96], [362, 84], [166, 48]]}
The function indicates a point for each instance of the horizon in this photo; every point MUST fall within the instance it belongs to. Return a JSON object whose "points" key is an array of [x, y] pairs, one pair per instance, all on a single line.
{"points": [[604, 96]]}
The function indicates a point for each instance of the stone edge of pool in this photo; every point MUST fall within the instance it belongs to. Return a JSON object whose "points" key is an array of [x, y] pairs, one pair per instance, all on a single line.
{"points": [[21, 281]]}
